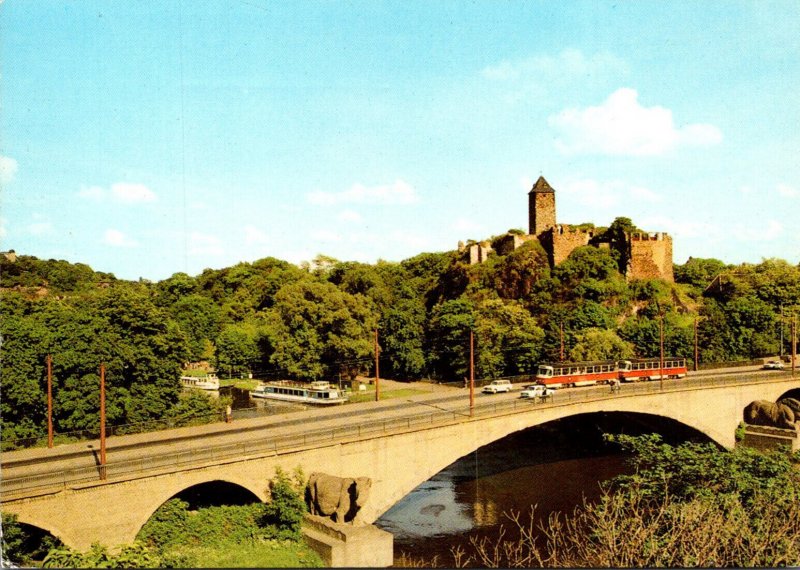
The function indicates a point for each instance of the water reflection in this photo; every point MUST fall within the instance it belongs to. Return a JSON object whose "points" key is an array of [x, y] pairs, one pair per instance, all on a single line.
{"points": [[554, 466], [442, 513]]}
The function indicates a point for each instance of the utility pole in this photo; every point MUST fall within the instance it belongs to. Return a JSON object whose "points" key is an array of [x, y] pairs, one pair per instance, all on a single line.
{"points": [[696, 351], [102, 421], [661, 351], [377, 376], [49, 401], [561, 352], [794, 342], [781, 326], [471, 374]]}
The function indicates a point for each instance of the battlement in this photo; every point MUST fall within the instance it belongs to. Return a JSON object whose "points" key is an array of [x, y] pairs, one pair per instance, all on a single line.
{"points": [[649, 236], [566, 229]]}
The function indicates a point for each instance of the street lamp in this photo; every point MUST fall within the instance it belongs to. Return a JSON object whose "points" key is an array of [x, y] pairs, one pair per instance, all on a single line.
{"points": [[661, 349]]}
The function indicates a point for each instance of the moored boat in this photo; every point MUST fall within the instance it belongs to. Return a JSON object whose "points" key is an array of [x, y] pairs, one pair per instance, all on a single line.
{"points": [[208, 382], [315, 393]]}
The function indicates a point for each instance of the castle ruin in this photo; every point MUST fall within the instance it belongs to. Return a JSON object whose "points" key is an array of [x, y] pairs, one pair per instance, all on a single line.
{"points": [[648, 255]]}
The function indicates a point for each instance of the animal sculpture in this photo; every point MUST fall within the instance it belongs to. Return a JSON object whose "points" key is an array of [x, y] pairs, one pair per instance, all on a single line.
{"points": [[339, 498], [771, 414]]}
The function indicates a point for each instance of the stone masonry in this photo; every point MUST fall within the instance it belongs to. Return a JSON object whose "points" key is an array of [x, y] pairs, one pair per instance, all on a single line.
{"points": [[650, 253]]}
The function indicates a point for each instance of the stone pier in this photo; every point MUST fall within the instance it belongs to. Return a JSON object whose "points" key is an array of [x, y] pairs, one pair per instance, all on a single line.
{"points": [[349, 546]]}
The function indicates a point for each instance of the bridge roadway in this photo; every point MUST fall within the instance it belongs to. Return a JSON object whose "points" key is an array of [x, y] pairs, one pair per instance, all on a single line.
{"points": [[27, 473]]}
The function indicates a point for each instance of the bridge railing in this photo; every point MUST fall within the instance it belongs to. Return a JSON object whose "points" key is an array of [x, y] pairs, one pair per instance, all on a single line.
{"points": [[486, 406]]}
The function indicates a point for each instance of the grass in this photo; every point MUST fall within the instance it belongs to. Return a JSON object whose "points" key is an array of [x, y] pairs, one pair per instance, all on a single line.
{"points": [[263, 554], [238, 383], [369, 395]]}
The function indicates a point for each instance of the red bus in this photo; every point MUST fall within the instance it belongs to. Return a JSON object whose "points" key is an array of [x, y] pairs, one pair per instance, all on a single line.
{"points": [[569, 374], [643, 369]]}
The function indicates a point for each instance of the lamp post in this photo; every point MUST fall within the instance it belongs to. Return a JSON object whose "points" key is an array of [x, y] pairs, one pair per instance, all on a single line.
{"points": [[794, 343], [471, 373], [49, 401], [102, 421], [661, 350], [377, 381]]}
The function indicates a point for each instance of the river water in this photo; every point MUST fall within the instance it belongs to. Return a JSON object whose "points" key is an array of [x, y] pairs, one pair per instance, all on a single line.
{"points": [[553, 467]]}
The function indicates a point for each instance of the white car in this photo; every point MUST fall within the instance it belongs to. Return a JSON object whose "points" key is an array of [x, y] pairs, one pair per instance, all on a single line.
{"points": [[536, 391], [774, 365], [497, 386]]}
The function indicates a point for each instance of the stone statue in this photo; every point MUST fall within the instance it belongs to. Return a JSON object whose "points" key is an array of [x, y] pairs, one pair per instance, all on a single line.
{"points": [[770, 414], [339, 498], [793, 404]]}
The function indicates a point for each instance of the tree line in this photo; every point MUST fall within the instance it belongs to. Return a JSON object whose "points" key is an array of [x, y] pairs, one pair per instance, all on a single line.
{"points": [[275, 319]]}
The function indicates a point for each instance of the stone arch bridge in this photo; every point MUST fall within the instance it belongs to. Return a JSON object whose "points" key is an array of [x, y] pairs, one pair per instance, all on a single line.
{"points": [[397, 444]]}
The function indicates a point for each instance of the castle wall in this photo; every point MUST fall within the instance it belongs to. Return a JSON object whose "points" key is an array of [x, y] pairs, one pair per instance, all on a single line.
{"points": [[563, 240], [651, 257], [478, 253], [510, 242]]}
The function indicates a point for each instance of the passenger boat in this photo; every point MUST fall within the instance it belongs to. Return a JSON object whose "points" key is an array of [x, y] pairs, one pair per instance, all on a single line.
{"points": [[316, 393], [208, 382]]}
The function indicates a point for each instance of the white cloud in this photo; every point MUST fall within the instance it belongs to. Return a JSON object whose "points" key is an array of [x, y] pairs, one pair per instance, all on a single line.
{"points": [[253, 235], [642, 194], [350, 216], [122, 192], [411, 240], [205, 244], [326, 236], [569, 63], [398, 193], [769, 231], [129, 193], [594, 193], [116, 238], [788, 191], [621, 126], [3, 223], [8, 169], [680, 228], [40, 228], [463, 225]]}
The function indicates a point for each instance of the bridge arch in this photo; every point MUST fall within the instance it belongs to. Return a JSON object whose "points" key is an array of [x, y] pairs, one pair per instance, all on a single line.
{"points": [[244, 488], [716, 416], [793, 393], [39, 524]]}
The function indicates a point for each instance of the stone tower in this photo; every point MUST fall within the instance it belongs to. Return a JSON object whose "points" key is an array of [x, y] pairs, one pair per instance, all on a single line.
{"points": [[541, 207]]}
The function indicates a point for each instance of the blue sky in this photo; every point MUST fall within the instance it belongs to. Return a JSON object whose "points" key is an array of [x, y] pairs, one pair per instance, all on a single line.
{"points": [[148, 138]]}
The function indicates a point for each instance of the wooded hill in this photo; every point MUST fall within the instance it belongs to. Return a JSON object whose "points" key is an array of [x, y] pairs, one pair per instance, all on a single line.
{"points": [[317, 321]]}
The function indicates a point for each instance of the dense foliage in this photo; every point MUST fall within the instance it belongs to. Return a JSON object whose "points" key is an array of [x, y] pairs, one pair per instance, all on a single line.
{"points": [[273, 319]]}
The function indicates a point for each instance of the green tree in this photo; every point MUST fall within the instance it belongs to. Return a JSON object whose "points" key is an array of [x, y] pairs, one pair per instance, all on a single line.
{"points": [[237, 349], [316, 330], [508, 341], [599, 344], [448, 335]]}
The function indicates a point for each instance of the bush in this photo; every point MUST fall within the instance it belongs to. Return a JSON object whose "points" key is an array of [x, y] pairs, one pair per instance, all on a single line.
{"points": [[283, 515]]}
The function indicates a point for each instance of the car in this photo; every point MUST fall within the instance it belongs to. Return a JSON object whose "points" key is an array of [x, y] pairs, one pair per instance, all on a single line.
{"points": [[536, 391], [497, 386], [774, 365]]}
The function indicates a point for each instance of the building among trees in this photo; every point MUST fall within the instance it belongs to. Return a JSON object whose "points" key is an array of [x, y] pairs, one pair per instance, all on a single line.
{"points": [[641, 255]]}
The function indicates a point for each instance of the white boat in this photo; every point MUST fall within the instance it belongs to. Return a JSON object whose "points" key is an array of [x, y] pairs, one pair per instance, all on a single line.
{"points": [[316, 393], [209, 382]]}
